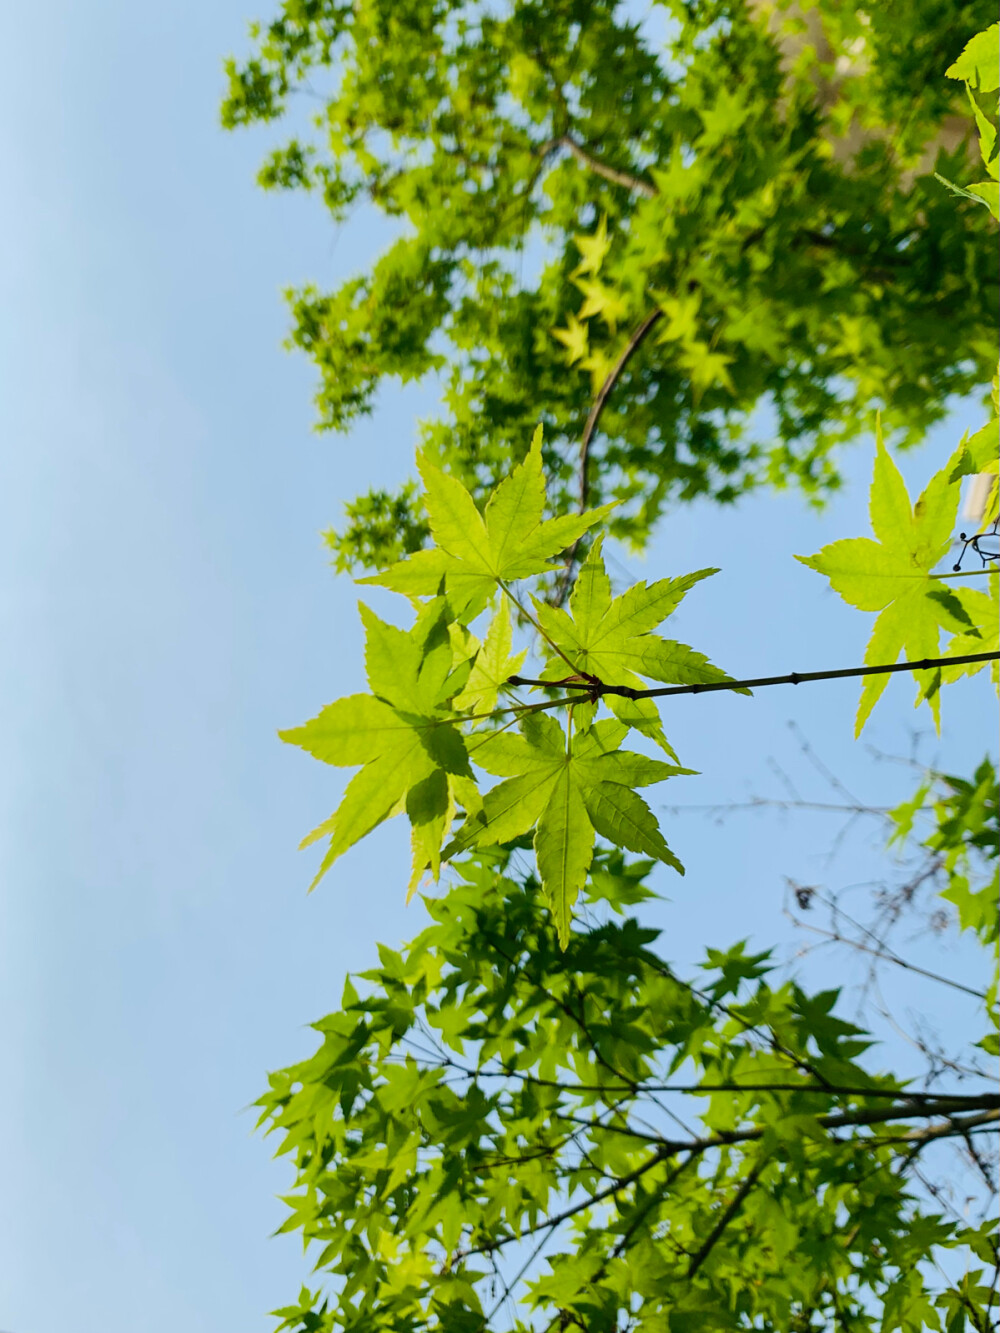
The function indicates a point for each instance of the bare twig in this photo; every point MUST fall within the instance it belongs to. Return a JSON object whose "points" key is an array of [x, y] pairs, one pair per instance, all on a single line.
{"points": [[885, 956]]}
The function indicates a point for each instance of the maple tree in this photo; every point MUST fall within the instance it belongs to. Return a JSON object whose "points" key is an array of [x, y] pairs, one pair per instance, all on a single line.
{"points": [[496, 1124]]}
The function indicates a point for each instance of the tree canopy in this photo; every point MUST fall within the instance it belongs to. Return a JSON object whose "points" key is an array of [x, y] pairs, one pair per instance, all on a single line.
{"points": [[730, 257]]}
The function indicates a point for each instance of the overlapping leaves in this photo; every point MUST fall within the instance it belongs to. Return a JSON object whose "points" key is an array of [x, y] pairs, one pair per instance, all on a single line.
{"points": [[978, 67], [413, 756], [482, 1098], [435, 688], [611, 639]]}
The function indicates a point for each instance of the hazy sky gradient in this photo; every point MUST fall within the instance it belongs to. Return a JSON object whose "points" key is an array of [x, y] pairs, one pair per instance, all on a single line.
{"points": [[166, 605]]}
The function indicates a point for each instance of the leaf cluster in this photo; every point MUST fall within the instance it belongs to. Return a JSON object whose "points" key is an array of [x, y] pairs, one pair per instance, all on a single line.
{"points": [[432, 717], [492, 1124], [566, 176]]}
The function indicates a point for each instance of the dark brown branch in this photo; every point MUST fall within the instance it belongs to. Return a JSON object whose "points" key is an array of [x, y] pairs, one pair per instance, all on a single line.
{"points": [[602, 397], [667, 1148], [842, 1119], [593, 417], [596, 689], [730, 1211], [826, 1089]]}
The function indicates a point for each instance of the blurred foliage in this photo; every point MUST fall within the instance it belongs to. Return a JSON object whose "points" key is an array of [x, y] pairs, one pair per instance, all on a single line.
{"points": [[381, 529], [562, 172]]}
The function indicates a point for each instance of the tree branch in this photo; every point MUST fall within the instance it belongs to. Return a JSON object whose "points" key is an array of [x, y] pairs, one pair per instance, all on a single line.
{"points": [[598, 689], [597, 407], [667, 1148], [612, 174], [826, 1089], [887, 957], [946, 1129], [593, 417], [732, 1208]]}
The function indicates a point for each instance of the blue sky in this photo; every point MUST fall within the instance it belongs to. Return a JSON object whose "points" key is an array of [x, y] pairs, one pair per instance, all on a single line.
{"points": [[166, 605]]}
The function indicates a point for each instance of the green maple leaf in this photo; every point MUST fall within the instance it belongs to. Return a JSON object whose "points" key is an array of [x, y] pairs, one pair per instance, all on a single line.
{"points": [[705, 367], [574, 338], [981, 632], [600, 363], [492, 666], [978, 63], [610, 639], [603, 301], [725, 117], [593, 248], [475, 553], [566, 789], [980, 454], [412, 757], [681, 318], [892, 575]]}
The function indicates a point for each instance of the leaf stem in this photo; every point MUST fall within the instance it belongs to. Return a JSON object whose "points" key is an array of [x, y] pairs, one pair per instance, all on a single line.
{"points": [[967, 573], [531, 620]]}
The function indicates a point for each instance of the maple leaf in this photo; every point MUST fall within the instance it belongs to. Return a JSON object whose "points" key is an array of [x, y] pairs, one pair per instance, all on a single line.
{"points": [[593, 248], [681, 317], [892, 575], [979, 454], [567, 788], [705, 367], [724, 118], [412, 758], [601, 301], [476, 553], [610, 639], [980, 60], [981, 633], [600, 363], [574, 338], [492, 666]]}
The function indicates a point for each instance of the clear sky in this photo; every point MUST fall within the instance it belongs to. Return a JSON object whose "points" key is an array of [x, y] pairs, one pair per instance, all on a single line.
{"points": [[165, 605]]}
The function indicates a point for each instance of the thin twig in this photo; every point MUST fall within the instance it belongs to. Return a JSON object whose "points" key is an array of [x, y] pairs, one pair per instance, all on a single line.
{"points": [[889, 957]]}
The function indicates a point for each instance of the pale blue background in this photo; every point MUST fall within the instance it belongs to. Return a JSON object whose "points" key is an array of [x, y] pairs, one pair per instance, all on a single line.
{"points": [[165, 605]]}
